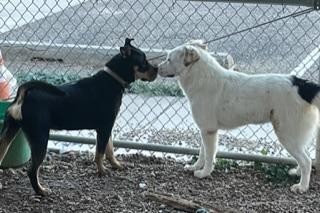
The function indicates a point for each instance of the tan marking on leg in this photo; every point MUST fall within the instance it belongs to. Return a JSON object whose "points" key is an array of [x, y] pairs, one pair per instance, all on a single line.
{"points": [[15, 111], [42, 190], [110, 155], [99, 161]]}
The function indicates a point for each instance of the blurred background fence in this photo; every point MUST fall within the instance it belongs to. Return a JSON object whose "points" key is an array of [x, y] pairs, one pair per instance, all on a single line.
{"points": [[61, 41]]}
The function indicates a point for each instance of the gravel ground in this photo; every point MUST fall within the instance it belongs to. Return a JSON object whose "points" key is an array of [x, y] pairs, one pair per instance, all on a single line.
{"points": [[77, 188]]}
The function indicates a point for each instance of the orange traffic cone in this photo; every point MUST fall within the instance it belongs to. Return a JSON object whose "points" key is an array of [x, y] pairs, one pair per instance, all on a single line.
{"points": [[4, 84]]}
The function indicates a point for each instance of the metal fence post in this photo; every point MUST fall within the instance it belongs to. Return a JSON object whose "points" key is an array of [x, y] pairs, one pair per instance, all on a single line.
{"points": [[317, 163], [317, 160]]}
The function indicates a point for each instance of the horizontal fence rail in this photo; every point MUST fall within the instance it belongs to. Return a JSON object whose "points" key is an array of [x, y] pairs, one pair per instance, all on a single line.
{"points": [[308, 3], [175, 150]]}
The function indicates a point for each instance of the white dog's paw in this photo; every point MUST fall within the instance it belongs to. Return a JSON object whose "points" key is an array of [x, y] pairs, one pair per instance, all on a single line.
{"points": [[294, 172], [191, 168], [201, 173], [298, 188]]}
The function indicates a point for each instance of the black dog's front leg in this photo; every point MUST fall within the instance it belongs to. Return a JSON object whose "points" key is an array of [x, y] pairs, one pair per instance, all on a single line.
{"points": [[103, 136]]}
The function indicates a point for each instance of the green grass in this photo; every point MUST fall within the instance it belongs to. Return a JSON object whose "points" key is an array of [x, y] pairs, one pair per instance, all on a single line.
{"points": [[221, 164], [275, 173], [56, 79], [156, 88]]}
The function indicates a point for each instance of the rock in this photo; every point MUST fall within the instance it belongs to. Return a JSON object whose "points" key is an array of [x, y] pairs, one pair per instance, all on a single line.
{"points": [[48, 167], [153, 174], [49, 157], [118, 197], [162, 206], [142, 185], [36, 199], [11, 171], [202, 211]]}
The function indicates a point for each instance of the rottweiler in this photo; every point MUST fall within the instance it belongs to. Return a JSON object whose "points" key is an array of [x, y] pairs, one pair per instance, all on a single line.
{"points": [[90, 103]]}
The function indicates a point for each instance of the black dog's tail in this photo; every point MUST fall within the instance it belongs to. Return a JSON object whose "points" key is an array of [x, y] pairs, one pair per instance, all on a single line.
{"points": [[24, 88], [15, 108]]}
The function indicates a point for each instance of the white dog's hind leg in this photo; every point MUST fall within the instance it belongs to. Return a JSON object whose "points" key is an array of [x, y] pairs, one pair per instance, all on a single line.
{"points": [[199, 163], [210, 143], [297, 150], [304, 163], [295, 134]]}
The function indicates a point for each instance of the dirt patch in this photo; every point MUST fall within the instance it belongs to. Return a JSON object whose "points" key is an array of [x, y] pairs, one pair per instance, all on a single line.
{"points": [[77, 188]]}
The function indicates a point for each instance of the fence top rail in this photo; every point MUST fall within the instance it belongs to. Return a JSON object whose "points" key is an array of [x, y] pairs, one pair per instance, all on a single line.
{"points": [[308, 3]]}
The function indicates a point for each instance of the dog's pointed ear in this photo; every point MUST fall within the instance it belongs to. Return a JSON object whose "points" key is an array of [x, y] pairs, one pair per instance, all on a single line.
{"points": [[125, 51], [198, 42], [128, 41], [191, 55], [203, 46]]}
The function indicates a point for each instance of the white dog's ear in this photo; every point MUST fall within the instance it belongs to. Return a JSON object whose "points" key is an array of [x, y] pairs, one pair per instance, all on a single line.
{"points": [[191, 55], [203, 46], [198, 42]]}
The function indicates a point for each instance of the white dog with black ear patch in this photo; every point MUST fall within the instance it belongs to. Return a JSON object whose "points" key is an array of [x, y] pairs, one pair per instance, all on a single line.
{"points": [[225, 99]]}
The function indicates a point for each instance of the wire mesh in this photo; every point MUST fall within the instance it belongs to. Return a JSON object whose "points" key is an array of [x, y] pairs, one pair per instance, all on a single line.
{"points": [[157, 112]]}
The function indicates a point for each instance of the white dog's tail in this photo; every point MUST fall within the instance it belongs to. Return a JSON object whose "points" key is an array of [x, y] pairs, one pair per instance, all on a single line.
{"points": [[308, 91]]}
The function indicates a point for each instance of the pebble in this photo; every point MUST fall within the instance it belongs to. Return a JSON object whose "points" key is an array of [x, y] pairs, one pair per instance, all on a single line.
{"points": [[118, 197], [162, 206], [11, 171], [36, 199], [1, 186], [153, 174], [142, 185], [202, 211]]}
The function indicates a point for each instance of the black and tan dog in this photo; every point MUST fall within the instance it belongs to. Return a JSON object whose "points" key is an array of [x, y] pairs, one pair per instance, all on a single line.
{"points": [[90, 103]]}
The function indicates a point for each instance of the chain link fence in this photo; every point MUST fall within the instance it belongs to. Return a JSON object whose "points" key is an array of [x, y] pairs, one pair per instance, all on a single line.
{"points": [[60, 41]]}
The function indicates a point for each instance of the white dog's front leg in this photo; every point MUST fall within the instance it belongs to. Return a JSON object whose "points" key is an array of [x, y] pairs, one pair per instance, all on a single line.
{"points": [[199, 163], [210, 143]]}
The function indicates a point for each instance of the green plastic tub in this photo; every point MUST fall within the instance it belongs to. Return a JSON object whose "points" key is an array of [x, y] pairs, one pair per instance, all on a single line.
{"points": [[19, 151]]}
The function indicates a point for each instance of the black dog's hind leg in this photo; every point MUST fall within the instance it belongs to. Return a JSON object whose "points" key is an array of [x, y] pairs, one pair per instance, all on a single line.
{"points": [[8, 133], [38, 140], [103, 136]]}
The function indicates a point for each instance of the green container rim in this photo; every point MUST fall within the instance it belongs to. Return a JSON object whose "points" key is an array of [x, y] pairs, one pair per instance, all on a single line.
{"points": [[19, 151], [3, 108]]}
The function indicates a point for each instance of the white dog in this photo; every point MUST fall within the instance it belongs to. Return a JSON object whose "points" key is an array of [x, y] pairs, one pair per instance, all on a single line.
{"points": [[225, 99]]}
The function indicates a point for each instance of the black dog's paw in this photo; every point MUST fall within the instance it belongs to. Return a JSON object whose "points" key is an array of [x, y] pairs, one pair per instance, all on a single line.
{"points": [[44, 191], [104, 172]]}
